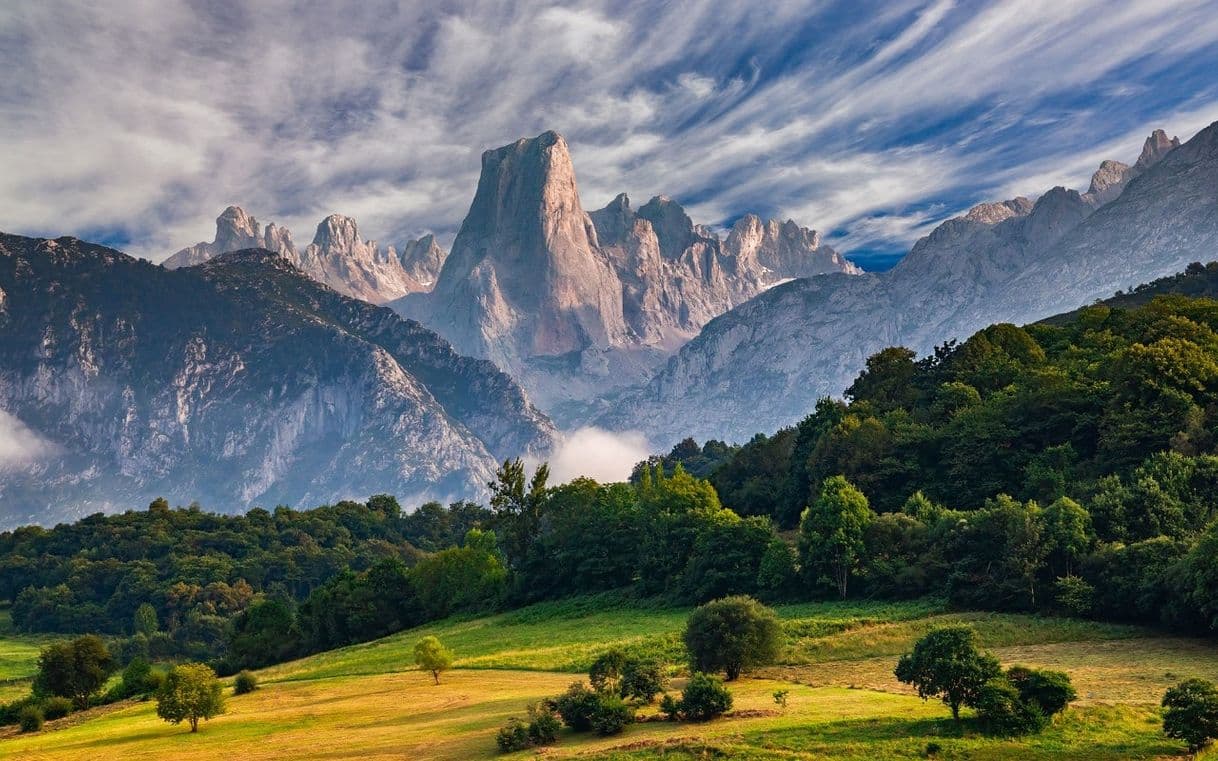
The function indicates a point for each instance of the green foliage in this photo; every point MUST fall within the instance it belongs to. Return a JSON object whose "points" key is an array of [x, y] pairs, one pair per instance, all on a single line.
{"points": [[513, 736], [777, 576], [670, 707], [146, 620], [831, 533], [76, 669], [1191, 713], [642, 679], [605, 673], [190, 692], [780, 697], [732, 635], [1049, 691], [30, 719], [138, 679], [459, 579], [56, 708], [611, 715], [1073, 596], [1001, 710], [264, 633], [244, 682], [704, 698], [576, 706], [431, 655], [947, 664]]}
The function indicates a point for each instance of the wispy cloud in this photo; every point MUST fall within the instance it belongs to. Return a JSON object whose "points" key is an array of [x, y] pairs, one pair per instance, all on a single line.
{"points": [[140, 121], [19, 445]]}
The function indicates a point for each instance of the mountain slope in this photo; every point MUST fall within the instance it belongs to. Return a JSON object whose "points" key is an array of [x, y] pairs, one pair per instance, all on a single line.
{"points": [[237, 382], [765, 363], [575, 303]]}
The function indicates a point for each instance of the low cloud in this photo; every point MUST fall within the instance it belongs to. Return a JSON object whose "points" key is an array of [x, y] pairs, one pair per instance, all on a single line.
{"points": [[602, 455], [19, 445]]}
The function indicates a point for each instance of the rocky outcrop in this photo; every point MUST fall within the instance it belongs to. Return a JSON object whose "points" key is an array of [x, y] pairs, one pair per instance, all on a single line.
{"points": [[338, 256], [1112, 176], [764, 364], [238, 382], [575, 304]]}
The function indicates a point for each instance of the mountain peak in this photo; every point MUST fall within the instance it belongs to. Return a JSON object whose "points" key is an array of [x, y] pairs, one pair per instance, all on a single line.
{"points": [[1155, 148], [673, 227], [236, 229]]}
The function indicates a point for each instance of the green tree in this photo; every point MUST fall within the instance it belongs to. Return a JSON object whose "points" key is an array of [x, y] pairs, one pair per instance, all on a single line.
{"points": [[431, 655], [1067, 535], [704, 698], [77, 669], [189, 693], [947, 664], [1192, 713], [145, 620], [831, 532], [518, 503], [731, 635]]}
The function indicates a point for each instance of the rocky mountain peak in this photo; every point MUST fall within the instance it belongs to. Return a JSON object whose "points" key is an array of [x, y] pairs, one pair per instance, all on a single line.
{"points": [[422, 259], [237, 229], [338, 235], [673, 227], [993, 213], [1155, 148]]}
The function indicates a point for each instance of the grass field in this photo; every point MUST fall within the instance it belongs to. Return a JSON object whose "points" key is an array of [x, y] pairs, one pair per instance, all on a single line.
{"points": [[18, 659], [366, 701]]}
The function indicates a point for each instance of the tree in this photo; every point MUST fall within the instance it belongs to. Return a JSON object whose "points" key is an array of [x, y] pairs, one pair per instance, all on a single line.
{"points": [[518, 504], [1002, 711], [704, 698], [431, 655], [190, 692], [145, 620], [947, 664], [732, 634], [1067, 534], [1050, 691], [77, 669], [832, 529], [1192, 713]]}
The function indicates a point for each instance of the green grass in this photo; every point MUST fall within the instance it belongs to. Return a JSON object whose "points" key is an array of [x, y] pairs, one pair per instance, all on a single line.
{"points": [[18, 658], [366, 701]]}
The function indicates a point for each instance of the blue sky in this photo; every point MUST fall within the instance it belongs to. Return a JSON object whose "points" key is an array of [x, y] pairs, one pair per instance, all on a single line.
{"points": [[135, 123]]}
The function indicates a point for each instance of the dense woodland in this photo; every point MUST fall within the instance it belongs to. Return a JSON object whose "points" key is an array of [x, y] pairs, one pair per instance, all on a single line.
{"points": [[1068, 467]]}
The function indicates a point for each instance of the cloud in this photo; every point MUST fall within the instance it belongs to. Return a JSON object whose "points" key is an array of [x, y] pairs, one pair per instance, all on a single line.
{"points": [[595, 453], [140, 122], [19, 445]]}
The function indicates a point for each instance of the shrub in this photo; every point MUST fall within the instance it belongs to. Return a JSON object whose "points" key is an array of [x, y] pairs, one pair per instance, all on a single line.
{"points": [[543, 724], [704, 698], [1051, 691], [30, 719], [10, 713], [576, 706], [670, 707], [56, 708], [642, 679], [947, 664], [245, 682], [1002, 711], [611, 715], [1074, 596], [732, 634], [1192, 713], [780, 697], [137, 679], [513, 736]]}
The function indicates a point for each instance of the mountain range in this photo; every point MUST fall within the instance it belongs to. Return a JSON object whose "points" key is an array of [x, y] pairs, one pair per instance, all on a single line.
{"points": [[249, 371], [237, 382]]}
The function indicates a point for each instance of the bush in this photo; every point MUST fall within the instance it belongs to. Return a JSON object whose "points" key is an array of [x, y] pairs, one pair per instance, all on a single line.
{"points": [[732, 634], [670, 707], [10, 713], [642, 680], [245, 682], [1051, 691], [56, 708], [611, 715], [30, 719], [1002, 711], [138, 679], [704, 698], [576, 706], [543, 724], [1192, 713], [513, 736]]}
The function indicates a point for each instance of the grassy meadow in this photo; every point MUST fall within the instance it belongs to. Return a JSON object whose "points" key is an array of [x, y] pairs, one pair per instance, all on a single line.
{"points": [[367, 701]]}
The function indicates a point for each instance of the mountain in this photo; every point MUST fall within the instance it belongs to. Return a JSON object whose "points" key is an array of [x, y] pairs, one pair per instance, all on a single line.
{"points": [[337, 256], [764, 364], [574, 303], [240, 381]]}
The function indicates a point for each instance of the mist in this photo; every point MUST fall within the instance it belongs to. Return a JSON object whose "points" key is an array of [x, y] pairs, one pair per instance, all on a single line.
{"points": [[19, 445], [605, 456]]}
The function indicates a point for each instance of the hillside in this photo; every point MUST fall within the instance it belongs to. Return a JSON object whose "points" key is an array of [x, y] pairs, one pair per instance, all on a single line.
{"points": [[235, 383], [366, 700]]}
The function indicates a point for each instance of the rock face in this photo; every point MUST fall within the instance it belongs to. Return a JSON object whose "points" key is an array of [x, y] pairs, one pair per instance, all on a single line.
{"points": [[764, 364], [337, 256], [574, 303], [237, 382]]}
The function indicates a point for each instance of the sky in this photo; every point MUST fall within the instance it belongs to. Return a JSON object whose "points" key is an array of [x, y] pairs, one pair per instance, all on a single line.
{"points": [[135, 123]]}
